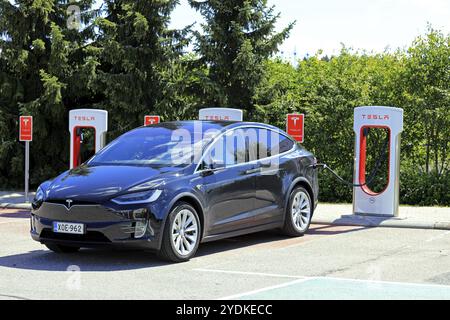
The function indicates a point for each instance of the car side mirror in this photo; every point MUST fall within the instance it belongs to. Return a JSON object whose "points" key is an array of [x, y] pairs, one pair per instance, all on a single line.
{"points": [[211, 164], [207, 169], [216, 164]]}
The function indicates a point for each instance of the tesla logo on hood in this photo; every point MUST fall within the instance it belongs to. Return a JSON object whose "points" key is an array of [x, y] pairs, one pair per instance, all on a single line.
{"points": [[69, 203]]}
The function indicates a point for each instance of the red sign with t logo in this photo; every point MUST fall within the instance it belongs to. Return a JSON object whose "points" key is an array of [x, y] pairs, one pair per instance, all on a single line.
{"points": [[295, 126], [26, 128], [149, 120]]}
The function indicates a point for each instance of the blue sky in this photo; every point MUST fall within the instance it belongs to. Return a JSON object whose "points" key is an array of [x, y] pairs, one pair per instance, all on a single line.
{"points": [[371, 25]]}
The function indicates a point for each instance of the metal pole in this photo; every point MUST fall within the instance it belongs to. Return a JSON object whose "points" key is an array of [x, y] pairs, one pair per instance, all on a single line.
{"points": [[27, 168]]}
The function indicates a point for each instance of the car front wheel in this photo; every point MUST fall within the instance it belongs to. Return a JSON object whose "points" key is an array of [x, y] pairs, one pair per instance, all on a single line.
{"points": [[299, 213], [181, 235]]}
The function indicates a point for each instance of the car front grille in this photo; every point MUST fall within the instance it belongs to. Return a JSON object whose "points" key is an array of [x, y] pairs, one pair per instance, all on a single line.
{"points": [[73, 203], [78, 212]]}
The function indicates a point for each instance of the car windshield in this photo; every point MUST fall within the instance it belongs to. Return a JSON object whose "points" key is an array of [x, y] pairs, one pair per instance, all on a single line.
{"points": [[159, 146]]}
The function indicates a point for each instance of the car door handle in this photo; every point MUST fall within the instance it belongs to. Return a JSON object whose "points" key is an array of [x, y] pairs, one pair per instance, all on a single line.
{"points": [[251, 171]]}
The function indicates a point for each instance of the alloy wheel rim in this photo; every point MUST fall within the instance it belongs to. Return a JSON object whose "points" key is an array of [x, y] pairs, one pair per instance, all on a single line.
{"points": [[184, 232], [301, 211]]}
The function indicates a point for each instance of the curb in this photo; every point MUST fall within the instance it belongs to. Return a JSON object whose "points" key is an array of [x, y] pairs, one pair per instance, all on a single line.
{"points": [[26, 206], [373, 222]]}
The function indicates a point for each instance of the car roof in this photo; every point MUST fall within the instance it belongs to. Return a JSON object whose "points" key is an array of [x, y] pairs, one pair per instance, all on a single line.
{"points": [[206, 126], [215, 124]]}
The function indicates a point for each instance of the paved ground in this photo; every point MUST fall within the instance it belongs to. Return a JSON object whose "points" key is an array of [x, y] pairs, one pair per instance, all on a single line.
{"points": [[330, 214], [409, 217], [331, 262]]}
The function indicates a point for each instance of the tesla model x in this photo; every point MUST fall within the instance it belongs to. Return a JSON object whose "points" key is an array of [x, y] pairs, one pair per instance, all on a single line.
{"points": [[168, 187]]}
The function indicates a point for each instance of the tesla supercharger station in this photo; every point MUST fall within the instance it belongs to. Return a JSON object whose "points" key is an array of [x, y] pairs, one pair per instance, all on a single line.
{"points": [[365, 201], [86, 118], [226, 114]]}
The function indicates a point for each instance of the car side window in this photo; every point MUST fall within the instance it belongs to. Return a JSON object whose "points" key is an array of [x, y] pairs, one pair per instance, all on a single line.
{"points": [[229, 150], [245, 145], [286, 144], [264, 144], [216, 156], [271, 143]]}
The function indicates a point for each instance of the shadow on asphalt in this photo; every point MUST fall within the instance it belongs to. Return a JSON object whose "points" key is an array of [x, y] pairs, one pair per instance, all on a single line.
{"points": [[271, 236], [108, 259], [86, 259]]}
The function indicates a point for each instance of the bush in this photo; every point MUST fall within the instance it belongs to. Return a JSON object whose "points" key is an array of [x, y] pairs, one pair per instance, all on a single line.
{"points": [[332, 190], [421, 189]]}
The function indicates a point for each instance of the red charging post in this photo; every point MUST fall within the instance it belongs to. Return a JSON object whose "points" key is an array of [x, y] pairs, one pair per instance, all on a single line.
{"points": [[295, 126], [26, 135], [149, 120]]}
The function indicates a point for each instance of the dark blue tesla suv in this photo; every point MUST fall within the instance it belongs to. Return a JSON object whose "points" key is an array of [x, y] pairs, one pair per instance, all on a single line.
{"points": [[170, 186]]}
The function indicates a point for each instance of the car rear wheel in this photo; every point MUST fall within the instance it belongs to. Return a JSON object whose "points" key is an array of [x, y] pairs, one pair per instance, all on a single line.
{"points": [[181, 235], [299, 213], [58, 248]]}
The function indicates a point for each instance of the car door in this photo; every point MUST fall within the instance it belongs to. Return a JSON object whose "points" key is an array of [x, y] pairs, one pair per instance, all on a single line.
{"points": [[272, 170], [229, 185]]}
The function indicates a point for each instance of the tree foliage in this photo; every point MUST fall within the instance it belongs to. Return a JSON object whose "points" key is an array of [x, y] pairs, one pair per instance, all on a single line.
{"points": [[42, 70], [237, 38], [124, 58], [138, 58], [327, 91], [427, 97]]}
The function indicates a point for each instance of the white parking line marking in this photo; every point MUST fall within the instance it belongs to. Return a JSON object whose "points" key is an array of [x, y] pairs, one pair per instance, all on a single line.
{"points": [[249, 293], [442, 235], [389, 282], [305, 278], [251, 273], [8, 296]]}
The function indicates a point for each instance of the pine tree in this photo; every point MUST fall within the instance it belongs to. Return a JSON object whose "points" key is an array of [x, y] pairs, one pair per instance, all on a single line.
{"points": [[138, 52], [43, 68], [237, 38]]}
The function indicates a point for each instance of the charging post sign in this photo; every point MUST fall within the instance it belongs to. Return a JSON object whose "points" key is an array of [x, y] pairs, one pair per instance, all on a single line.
{"points": [[149, 120], [295, 126], [26, 129], [26, 135]]}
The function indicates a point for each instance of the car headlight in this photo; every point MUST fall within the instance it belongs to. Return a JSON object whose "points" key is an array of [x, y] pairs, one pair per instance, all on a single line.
{"points": [[38, 198], [138, 197], [39, 194], [149, 185]]}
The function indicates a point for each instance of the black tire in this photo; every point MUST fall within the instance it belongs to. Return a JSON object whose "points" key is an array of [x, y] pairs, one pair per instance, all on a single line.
{"points": [[168, 250], [58, 248], [290, 228]]}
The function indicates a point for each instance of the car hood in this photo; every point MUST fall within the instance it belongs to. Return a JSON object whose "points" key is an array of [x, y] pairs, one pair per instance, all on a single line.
{"points": [[99, 183]]}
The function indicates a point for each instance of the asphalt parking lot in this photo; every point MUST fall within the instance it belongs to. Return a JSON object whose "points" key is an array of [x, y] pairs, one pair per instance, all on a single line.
{"points": [[330, 262]]}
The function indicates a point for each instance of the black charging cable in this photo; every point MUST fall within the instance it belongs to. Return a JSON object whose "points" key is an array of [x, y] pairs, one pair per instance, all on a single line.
{"points": [[371, 177]]}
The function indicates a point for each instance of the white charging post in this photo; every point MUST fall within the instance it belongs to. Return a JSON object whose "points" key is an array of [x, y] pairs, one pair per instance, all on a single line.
{"points": [[365, 201], [86, 118], [224, 114]]}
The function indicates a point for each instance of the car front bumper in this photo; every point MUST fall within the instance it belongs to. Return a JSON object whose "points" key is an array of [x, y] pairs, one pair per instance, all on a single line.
{"points": [[103, 227]]}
